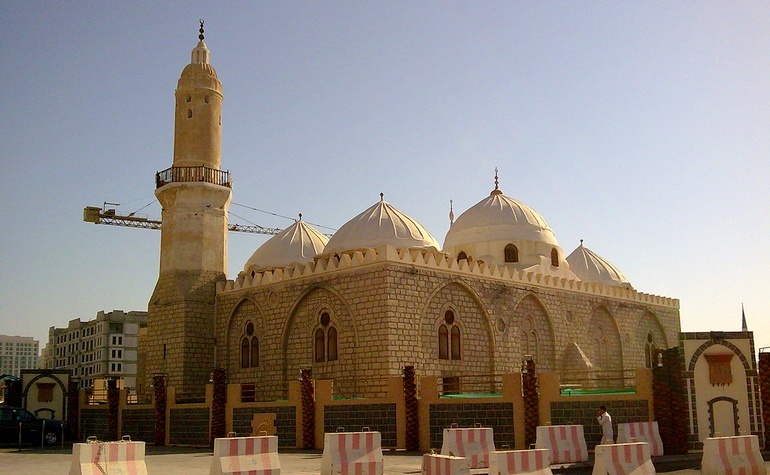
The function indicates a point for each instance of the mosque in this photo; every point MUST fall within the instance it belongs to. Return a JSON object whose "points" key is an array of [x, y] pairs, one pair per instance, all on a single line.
{"points": [[381, 293]]}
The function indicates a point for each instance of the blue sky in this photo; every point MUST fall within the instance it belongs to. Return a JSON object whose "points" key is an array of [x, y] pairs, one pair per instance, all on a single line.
{"points": [[640, 127]]}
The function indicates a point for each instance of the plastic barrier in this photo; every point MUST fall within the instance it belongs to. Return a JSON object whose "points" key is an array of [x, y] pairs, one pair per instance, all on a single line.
{"points": [[566, 443], [435, 464], [535, 462], [246, 455], [352, 453], [98, 458], [732, 455], [623, 459], [641, 432], [473, 443]]}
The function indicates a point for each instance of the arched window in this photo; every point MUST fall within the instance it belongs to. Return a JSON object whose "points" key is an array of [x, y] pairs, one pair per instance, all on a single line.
{"points": [[455, 342], [529, 338], [325, 346], [249, 347], [511, 253], [649, 351], [462, 256], [320, 355], [554, 257], [443, 343], [245, 353], [331, 350]]}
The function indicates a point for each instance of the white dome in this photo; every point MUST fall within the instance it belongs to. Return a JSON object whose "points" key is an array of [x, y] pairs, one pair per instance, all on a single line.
{"points": [[591, 267], [299, 243], [499, 218], [381, 224]]}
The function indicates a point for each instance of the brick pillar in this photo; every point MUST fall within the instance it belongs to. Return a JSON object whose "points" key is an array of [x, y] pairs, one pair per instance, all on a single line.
{"points": [[412, 412], [531, 402], [113, 402], [159, 389], [219, 406], [73, 410], [669, 402], [308, 410], [764, 391]]}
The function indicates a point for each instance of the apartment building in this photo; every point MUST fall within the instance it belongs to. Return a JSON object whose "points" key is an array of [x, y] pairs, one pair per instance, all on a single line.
{"points": [[18, 353]]}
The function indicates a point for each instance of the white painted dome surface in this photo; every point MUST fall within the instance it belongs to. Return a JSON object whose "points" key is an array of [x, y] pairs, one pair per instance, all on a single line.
{"points": [[591, 267], [499, 218], [299, 243], [381, 224]]}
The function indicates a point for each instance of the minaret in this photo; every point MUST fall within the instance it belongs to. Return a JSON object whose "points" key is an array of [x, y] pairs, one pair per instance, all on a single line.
{"points": [[195, 195]]}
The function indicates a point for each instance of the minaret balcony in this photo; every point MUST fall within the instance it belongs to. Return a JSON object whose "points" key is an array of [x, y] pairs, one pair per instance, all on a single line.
{"points": [[193, 174]]}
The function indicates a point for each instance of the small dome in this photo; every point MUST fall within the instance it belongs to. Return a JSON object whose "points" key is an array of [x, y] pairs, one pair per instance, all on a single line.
{"points": [[591, 267], [381, 224], [499, 218], [299, 243], [199, 73]]}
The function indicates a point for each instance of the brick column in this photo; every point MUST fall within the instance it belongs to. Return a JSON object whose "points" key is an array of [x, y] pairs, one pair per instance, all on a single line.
{"points": [[219, 406], [113, 403], [159, 389], [531, 402], [764, 391], [669, 402], [308, 410], [412, 412]]}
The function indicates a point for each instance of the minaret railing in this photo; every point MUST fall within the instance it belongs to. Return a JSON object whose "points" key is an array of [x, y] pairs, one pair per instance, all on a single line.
{"points": [[193, 174]]}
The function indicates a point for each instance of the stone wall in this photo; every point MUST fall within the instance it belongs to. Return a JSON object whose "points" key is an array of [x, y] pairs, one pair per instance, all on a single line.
{"points": [[353, 418]]}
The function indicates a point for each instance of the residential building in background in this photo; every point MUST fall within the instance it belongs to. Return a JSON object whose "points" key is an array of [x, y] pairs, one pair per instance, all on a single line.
{"points": [[99, 349], [18, 353]]}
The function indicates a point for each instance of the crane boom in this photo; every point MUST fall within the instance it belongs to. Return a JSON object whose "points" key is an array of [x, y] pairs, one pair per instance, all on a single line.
{"points": [[96, 215]]}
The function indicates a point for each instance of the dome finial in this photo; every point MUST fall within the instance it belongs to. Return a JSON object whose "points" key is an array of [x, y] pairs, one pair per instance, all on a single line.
{"points": [[300, 216], [382, 196], [200, 36], [581, 242], [497, 190], [451, 213]]}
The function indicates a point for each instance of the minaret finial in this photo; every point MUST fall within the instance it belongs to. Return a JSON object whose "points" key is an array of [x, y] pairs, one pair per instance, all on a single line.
{"points": [[451, 213], [497, 190], [200, 37], [382, 196]]}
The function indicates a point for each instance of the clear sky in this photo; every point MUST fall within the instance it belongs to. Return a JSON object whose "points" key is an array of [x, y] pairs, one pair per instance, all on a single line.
{"points": [[640, 127]]}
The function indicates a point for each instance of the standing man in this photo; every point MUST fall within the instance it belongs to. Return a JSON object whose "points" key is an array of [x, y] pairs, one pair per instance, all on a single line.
{"points": [[604, 419]]}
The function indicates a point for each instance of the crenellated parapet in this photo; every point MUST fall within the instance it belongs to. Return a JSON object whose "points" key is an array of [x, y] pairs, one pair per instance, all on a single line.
{"points": [[434, 260]]}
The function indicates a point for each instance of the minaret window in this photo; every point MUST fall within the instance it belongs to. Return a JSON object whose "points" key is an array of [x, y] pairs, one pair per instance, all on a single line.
{"points": [[189, 113], [511, 253], [206, 99], [188, 98], [554, 257]]}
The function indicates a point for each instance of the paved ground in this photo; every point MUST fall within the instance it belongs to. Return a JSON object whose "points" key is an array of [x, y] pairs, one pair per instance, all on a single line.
{"points": [[181, 461]]}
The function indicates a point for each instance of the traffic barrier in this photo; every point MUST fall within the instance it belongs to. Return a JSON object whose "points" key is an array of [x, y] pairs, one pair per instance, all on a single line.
{"points": [[473, 443], [641, 432], [246, 455], [435, 464], [352, 453], [623, 459], [98, 458], [509, 462], [732, 455], [567, 444]]}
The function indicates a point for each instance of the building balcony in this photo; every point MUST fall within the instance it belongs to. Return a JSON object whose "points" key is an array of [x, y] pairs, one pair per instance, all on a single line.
{"points": [[193, 174]]}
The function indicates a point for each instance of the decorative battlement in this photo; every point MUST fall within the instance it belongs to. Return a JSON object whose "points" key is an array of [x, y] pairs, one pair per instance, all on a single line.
{"points": [[430, 259]]}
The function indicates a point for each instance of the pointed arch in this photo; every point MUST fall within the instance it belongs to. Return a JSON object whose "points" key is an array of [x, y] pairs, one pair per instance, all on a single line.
{"points": [[602, 338], [539, 337]]}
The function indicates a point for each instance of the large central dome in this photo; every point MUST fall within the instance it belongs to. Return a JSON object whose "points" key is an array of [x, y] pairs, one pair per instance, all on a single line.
{"points": [[381, 224]]}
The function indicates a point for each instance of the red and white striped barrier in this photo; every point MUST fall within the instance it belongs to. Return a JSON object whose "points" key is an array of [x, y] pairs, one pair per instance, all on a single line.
{"points": [[435, 464], [108, 457], [473, 443], [641, 432], [246, 456], [623, 459], [566, 443], [732, 455], [509, 462], [352, 453]]}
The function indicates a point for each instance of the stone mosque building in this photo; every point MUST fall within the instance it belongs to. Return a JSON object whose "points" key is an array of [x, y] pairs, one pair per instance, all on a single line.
{"points": [[381, 293]]}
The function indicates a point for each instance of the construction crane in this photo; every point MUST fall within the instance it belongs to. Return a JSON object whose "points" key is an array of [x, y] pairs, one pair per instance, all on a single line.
{"points": [[104, 215]]}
